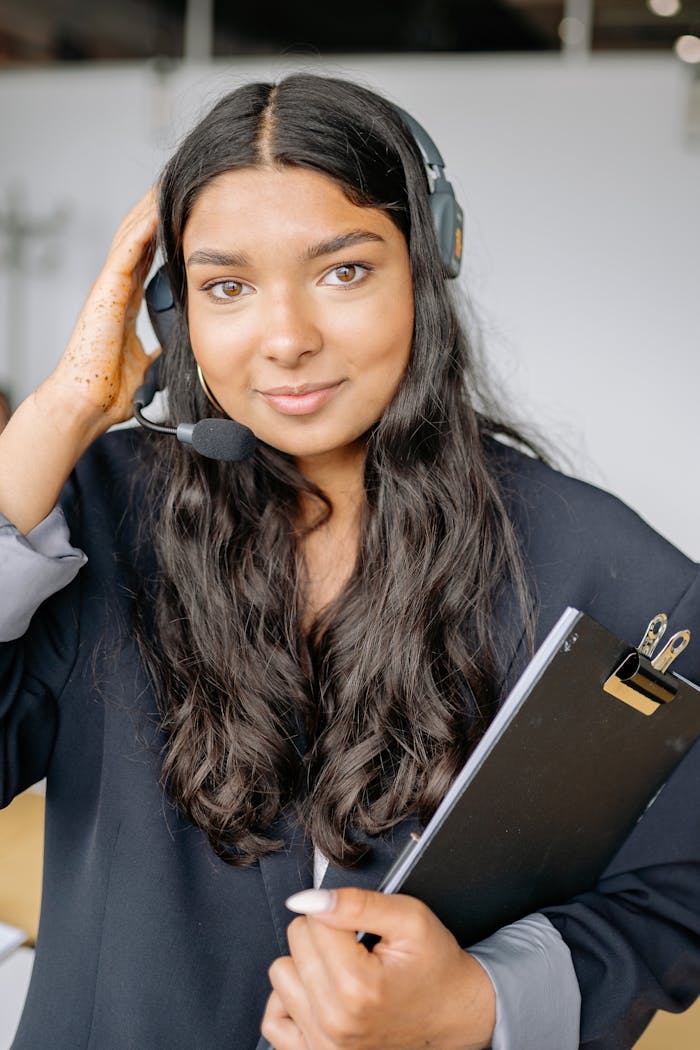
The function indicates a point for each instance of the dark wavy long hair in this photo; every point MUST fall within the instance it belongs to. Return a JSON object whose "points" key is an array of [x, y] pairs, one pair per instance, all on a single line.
{"points": [[366, 717]]}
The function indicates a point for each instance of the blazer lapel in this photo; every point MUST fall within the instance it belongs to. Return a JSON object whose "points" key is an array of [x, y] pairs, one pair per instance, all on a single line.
{"points": [[287, 871]]}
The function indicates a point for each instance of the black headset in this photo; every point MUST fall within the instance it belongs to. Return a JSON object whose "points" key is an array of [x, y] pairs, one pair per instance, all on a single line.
{"points": [[448, 216], [226, 440]]}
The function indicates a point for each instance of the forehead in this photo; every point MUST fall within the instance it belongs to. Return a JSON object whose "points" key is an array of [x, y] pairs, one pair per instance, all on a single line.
{"points": [[285, 201]]}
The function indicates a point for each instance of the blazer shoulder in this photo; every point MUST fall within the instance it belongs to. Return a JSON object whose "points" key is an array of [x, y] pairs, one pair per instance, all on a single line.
{"points": [[567, 516], [104, 499], [585, 547]]}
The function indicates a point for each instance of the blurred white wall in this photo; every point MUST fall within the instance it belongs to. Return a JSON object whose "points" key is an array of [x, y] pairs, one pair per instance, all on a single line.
{"points": [[580, 188]]}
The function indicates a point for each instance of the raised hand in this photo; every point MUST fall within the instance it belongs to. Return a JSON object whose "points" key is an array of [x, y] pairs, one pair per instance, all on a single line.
{"points": [[104, 361], [91, 387]]}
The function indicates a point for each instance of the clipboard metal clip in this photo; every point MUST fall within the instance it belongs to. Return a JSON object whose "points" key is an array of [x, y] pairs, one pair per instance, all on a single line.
{"points": [[653, 634], [673, 648], [642, 680]]}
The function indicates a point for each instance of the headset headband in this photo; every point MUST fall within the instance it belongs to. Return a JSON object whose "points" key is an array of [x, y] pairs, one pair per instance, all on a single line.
{"points": [[448, 216]]}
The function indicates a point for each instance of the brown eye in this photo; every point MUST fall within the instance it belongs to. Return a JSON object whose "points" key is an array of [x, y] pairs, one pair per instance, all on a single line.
{"points": [[223, 290], [346, 274]]}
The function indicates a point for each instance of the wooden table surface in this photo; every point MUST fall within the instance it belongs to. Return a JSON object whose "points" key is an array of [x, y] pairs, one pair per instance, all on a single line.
{"points": [[673, 1031], [21, 855]]}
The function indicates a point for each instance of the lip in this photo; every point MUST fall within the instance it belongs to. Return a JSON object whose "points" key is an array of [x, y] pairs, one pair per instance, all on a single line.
{"points": [[300, 400]]}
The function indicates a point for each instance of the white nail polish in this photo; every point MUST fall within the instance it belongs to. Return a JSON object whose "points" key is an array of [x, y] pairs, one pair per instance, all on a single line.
{"points": [[311, 902]]}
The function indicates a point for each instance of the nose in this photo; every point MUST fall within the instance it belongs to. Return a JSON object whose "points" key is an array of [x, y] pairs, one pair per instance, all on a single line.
{"points": [[290, 329]]}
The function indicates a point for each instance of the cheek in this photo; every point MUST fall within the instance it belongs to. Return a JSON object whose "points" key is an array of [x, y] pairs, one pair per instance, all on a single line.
{"points": [[217, 344], [377, 375], [383, 349]]}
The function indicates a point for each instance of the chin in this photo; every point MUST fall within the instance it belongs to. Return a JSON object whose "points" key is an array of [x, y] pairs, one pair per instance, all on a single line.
{"points": [[300, 448]]}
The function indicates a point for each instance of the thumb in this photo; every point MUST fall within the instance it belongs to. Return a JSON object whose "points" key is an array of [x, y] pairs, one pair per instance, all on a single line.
{"points": [[389, 916]]}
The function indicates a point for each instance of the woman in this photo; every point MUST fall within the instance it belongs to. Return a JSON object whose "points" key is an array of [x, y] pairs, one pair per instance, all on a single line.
{"points": [[268, 665]]}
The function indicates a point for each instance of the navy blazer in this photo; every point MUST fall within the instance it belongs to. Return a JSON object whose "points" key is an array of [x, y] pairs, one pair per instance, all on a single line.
{"points": [[148, 940]]}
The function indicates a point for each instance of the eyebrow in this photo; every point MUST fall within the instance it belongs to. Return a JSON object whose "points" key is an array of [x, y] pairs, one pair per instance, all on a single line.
{"points": [[343, 240], [212, 257]]}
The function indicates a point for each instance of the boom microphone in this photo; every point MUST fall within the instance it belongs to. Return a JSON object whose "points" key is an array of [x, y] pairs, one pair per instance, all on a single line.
{"points": [[221, 439]]}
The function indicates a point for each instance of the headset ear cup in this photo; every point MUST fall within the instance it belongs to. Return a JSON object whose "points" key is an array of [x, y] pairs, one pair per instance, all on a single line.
{"points": [[161, 307], [448, 216], [449, 227]]}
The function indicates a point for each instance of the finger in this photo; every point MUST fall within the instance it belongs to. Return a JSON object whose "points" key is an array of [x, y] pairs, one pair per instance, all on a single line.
{"points": [[341, 978], [395, 918], [278, 1027], [330, 963], [290, 989], [327, 959], [134, 242], [144, 208], [341, 997], [141, 219]]}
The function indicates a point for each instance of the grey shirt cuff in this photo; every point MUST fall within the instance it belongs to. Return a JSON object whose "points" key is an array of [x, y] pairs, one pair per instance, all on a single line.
{"points": [[32, 568], [538, 1001]]}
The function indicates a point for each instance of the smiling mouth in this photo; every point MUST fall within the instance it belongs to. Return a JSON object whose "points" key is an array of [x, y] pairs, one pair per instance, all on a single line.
{"points": [[300, 400]]}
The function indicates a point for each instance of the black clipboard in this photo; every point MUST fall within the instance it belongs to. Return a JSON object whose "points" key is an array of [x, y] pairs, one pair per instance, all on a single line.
{"points": [[579, 749]]}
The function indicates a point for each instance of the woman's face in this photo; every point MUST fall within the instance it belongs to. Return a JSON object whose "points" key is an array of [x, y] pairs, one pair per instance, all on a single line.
{"points": [[300, 306]]}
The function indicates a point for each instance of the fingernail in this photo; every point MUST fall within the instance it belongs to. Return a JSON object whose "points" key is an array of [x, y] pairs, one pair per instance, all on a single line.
{"points": [[311, 902]]}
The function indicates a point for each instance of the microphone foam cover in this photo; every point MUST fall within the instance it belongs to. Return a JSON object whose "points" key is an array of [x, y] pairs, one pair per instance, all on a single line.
{"points": [[223, 439]]}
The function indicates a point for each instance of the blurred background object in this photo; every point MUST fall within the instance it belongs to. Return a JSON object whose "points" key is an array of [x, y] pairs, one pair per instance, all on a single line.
{"points": [[29, 249], [40, 31]]}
